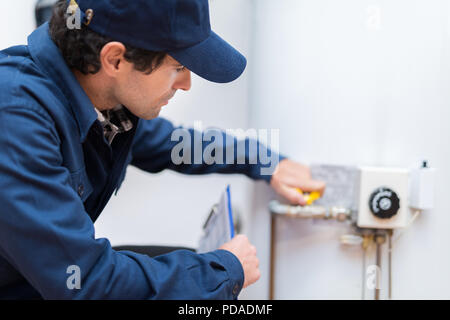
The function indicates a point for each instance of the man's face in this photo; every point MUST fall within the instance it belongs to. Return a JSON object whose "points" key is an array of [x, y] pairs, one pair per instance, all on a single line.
{"points": [[145, 94]]}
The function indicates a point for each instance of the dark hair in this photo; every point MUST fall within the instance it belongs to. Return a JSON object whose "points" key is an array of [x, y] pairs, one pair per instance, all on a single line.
{"points": [[81, 47]]}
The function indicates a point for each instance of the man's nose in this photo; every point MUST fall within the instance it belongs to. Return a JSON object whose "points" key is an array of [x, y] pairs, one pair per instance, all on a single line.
{"points": [[184, 81]]}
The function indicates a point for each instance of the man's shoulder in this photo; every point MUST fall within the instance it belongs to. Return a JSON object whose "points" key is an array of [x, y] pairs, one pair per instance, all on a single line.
{"points": [[14, 62], [23, 83]]}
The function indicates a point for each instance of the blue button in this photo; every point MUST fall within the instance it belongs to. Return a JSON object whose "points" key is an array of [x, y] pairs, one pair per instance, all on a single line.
{"points": [[80, 190]]}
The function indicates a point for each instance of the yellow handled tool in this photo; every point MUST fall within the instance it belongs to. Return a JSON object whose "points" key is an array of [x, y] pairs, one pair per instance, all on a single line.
{"points": [[309, 197]]}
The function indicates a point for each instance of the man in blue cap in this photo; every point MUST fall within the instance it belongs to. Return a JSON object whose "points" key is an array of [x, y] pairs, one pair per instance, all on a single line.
{"points": [[79, 104]]}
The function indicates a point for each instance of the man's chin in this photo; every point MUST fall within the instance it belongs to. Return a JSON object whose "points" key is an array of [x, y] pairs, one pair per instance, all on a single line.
{"points": [[153, 115], [148, 114], [150, 117]]}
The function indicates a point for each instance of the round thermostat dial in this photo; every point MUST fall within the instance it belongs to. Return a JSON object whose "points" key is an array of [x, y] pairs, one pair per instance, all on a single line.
{"points": [[384, 203]]}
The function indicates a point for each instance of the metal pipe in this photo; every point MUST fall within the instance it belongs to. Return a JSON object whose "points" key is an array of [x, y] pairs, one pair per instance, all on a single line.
{"points": [[317, 212], [272, 255], [378, 263], [390, 262], [367, 240], [363, 293], [380, 239], [311, 211]]}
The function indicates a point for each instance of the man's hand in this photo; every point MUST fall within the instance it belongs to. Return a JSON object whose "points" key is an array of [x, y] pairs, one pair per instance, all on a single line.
{"points": [[288, 176], [246, 253]]}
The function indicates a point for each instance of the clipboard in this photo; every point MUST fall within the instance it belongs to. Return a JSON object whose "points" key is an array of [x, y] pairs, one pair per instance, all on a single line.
{"points": [[219, 225]]}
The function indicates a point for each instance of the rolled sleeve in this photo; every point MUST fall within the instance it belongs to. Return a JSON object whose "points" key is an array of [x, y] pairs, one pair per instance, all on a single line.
{"points": [[234, 269]]}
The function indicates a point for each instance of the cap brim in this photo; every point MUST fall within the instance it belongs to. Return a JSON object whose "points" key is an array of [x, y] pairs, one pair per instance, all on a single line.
{"points": [[212, 59]]}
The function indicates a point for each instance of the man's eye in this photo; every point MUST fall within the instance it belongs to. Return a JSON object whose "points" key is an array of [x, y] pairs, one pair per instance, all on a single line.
{"points": [[180, 69]]}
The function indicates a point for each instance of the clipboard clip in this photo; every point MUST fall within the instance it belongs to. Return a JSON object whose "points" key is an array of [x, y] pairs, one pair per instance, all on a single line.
{"points": [[211, 213]]}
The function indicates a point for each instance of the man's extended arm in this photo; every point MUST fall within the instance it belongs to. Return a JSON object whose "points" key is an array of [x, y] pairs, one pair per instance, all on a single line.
{"points": [[159, 145]]}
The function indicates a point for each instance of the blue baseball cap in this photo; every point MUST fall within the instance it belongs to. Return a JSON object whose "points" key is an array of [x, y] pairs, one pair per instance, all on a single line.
{"points": [[180, 28]]}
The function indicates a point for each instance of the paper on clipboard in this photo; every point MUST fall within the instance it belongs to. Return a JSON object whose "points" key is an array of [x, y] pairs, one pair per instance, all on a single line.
{"points": [[218, 228]]}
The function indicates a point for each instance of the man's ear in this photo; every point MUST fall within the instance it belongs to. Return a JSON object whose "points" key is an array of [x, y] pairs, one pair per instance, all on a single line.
{"points": [[112, 58]]}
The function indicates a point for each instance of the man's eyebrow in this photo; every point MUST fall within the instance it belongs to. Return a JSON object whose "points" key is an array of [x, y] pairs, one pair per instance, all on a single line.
{"points": [[177, 64]]}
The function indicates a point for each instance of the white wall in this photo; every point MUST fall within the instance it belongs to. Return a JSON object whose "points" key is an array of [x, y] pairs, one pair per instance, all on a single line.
{"points": [[348, 86], [17, 22]]}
